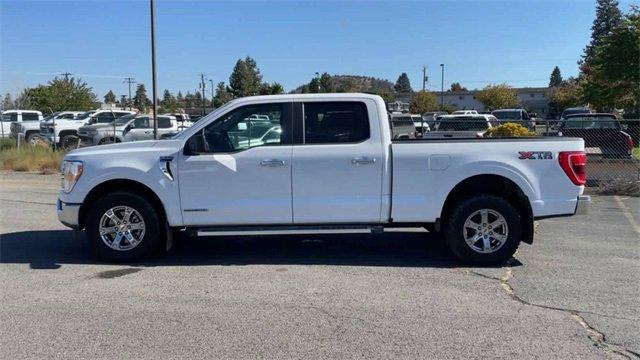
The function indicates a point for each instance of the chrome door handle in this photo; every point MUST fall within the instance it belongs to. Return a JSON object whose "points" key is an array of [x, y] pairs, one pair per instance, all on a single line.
{"points": [[272, 162], [363, 160]]}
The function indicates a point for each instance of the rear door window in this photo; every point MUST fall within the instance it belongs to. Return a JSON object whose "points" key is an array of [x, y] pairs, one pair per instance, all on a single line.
{"points": [[335, 122], [30, 116]]}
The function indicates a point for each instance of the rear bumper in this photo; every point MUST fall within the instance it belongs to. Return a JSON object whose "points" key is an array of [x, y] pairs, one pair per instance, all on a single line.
{"points": [[68, 214], [583, 205]]}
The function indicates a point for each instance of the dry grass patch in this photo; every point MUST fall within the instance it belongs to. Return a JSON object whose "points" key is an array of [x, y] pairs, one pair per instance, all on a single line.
{"points": [[41, 159]]}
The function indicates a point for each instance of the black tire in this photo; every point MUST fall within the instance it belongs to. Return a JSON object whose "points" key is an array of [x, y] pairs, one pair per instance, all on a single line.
{"points": [[152, 241], [69, 142], [454, 230]]}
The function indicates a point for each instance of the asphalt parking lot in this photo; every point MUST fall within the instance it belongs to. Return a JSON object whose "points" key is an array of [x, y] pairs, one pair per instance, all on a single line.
{"points": [[574, 294]]}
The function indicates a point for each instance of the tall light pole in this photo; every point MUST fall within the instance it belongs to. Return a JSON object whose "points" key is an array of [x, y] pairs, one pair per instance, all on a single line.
{"points": [[153, 68], [202, 86], [442, 89], [424, 78]]}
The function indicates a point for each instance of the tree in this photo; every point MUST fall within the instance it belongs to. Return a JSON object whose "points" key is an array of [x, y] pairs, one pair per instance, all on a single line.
{"points": [[59, 94], [423, 101], [245, 80], [140, 100], [223, 95], [612, 77], [566, 95], [556, 78], [110, 98], [457, 87], [498, 97], [169, 103], [388, 96], [271, 89], [326, 84], [7, 102], [403, 84], [608, 17]]}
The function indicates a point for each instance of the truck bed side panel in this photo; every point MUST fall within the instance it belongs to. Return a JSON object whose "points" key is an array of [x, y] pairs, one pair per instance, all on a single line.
{"points": [[425, 172]]}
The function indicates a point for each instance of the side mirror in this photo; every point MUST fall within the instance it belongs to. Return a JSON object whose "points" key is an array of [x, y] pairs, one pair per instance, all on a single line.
{"points": [[195, 145], [624, 127]]}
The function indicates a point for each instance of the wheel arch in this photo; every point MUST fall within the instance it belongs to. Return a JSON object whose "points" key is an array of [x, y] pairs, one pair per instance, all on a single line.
{"points": [[496, 185], [113, 185]]}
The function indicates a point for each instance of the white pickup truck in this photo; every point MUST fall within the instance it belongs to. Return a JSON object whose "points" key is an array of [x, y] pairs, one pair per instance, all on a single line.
{"points": [[331, 168]]}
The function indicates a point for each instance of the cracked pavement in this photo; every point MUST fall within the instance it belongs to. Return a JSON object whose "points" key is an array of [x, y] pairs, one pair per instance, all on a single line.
{"points": [[573, 294]]}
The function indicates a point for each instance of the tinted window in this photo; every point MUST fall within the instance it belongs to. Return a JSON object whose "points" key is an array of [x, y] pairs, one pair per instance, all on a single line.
{"points": [[10, 117], [335, 122], [507, 115], [30, 117], [141, 123], [463, 125], [245, 128], [66, 116], [164, 122], [104, 117]]}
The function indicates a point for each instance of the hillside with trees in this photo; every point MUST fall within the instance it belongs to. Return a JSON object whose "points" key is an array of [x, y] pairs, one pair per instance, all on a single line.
{"points": [[345, 83]]}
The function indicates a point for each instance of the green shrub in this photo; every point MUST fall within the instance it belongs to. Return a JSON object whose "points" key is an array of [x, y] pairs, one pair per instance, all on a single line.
{"points": [[7, 143], [509, 130]]}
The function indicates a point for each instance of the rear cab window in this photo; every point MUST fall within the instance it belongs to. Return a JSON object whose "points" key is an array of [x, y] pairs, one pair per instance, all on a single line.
{"points": [[27, 116], [335, 122]]}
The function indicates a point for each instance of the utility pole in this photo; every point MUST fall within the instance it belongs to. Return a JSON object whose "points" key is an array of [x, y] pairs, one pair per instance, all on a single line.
{"points": [[424, 78], [211, 81], [66, 75], [202, 85], [318, 80], [442, 89], [129, 80], [153, 69]]}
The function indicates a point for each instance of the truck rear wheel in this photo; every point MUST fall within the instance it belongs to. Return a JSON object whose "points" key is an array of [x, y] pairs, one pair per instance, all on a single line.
{"points": [[124, 226], [484, 229]]}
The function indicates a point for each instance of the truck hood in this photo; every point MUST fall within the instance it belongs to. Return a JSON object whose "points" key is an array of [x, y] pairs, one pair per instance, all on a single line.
{"points": [[128, 149]]}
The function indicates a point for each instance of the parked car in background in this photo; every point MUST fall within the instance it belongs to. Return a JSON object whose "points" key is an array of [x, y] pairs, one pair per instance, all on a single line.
{"points": [[518, 116], [403, 126], [100, 134], [14, 118], [184, 121], [462, 126], [64, 132], [142, 128], [335, 169], [30, 130], [465, 112], [575, 111], [602, 133], [431, 116]]}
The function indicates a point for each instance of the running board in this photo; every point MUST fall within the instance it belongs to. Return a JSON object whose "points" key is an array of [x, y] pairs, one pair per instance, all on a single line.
{"points": [[285, 230]]}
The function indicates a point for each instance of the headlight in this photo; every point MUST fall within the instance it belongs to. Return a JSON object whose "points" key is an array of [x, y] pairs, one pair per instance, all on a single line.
{"points": [[71, 171]]}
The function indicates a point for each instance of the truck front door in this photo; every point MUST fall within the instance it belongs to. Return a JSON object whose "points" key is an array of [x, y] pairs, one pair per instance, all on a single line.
{"points": [[232, 176]]}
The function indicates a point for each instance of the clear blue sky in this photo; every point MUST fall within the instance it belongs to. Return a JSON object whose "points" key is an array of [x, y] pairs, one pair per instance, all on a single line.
{"points": [[480, 42]]}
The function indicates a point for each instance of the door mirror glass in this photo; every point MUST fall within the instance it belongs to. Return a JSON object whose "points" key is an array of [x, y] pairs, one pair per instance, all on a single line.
{"points": [[195, 145]]}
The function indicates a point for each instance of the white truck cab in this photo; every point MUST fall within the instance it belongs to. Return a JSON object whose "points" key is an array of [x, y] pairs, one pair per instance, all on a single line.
{"points": [[331, 167], [17, 118]]}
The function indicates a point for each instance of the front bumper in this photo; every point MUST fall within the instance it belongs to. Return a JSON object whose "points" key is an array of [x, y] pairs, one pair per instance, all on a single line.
{"points": [[583, 205], [69, 214]]}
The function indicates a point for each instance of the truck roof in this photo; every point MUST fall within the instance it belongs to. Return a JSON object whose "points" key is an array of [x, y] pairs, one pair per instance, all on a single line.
{"points": [[307, 97]]}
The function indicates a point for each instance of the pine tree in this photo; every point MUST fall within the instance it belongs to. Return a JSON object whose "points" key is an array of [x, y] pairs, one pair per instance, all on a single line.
{"points": [[223, 95], [140, 100], [403, 84], [608, 17], [110, 98], [245, 80], [7, 102], [556, 78]]}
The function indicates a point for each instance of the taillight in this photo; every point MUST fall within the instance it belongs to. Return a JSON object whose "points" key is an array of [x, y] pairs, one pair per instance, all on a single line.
{"points": [[629, 144], [574, 164]]}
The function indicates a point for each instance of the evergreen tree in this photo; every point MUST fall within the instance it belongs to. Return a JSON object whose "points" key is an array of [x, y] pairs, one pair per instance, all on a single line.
{"points": [[223, 95], [7, 102], [556, 78], [140, 100], [110, 98], [403, 84], [457, 87], [245, 80], [326, 84], [608, 17]]}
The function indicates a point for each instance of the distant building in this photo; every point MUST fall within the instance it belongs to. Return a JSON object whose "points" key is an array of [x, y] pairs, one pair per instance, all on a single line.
{"points": [[531, 99]]}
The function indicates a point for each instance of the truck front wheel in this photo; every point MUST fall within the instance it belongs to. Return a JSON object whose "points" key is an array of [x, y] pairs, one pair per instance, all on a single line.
{"points": [[124, 226], [484, 229]]}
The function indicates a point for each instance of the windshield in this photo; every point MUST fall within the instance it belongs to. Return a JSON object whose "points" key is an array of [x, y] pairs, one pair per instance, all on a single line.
{"points": [[592, 122], [85, 115], [507, 115]]}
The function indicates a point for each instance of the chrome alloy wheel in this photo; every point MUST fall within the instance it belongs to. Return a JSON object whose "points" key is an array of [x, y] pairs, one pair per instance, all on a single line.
{"points": [[485, 231], [122, 228]]}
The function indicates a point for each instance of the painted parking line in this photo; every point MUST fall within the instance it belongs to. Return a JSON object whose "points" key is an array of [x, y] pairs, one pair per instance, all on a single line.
{"points": [[627, 214]]}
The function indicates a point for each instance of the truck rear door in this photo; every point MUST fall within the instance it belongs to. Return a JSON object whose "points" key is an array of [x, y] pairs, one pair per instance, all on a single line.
{"points": [[337, 162]]}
